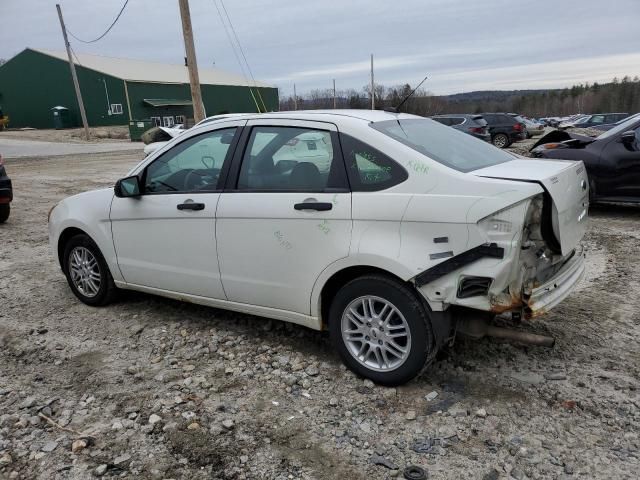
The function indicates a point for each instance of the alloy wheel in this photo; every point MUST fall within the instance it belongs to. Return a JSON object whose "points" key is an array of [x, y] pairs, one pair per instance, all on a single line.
{"points": [[84, 271], [376, 333]]}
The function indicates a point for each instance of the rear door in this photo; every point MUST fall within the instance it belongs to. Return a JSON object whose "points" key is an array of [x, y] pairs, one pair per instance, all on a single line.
{"points": [[285, 214]]}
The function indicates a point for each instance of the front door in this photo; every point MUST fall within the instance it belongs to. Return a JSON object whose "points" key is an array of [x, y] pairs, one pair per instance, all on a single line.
{"points": [[165, 238], [620, 167], [286, 215]]}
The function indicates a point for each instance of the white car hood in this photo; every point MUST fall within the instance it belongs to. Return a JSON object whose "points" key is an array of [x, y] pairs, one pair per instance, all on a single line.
{"points": [[567, 184]]}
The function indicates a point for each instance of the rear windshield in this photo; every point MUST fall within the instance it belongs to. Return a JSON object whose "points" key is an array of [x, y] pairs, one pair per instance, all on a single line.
{"points": [[445, 145]]}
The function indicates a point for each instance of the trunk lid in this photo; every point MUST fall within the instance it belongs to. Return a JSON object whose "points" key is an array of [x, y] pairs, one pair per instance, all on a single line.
{"points": [[566, 183]]}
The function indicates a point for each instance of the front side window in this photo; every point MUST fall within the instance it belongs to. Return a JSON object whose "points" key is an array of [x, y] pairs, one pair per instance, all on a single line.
{"points": [[597, 119], [447, 146], [192, 165], [368, 168], [290, 159]]}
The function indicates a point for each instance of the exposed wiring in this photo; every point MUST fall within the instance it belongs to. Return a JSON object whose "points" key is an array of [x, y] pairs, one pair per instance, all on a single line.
{"points": [[255, 85], [107, 31], [235, 53]]}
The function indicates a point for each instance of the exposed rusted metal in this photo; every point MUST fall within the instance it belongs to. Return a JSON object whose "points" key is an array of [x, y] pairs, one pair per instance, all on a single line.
{"points": [[478, 327]]}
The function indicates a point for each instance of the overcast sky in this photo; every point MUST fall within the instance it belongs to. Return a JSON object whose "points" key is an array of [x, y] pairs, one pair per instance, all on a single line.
{"points": [[463, 45]]}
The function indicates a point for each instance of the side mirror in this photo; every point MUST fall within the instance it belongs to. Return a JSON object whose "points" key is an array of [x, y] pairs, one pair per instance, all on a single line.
{"points": [[628, 137], [127, 187]]}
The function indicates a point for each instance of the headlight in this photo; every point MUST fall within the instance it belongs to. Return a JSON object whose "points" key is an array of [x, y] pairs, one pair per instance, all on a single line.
{"points": [[548, 146]]}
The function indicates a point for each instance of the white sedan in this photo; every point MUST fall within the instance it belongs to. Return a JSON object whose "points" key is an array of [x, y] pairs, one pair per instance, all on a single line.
{"points": [[391, 231]]}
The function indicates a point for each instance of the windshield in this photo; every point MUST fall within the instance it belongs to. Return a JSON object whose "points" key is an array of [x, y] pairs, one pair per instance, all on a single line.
{"points": [[443, 144], [626, 125]]}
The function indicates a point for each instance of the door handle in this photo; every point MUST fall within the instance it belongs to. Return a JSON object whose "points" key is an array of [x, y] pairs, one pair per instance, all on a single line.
{"points": [[191, 206], [319, 206]]}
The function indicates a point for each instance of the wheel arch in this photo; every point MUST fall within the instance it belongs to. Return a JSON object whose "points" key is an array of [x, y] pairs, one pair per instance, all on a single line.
{"points": [[341, 278], [64, 237], [323, 294]]}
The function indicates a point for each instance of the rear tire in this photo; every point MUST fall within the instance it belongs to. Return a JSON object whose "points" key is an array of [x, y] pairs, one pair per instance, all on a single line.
{"points": [[87, 272], [5, 210], [501, 140], [381, 329]]}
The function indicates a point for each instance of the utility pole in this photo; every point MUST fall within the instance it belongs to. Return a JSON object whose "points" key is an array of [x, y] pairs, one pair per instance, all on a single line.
{"points": [[373, 93], [192, 65], [295, 98], [334, 93], [74, 76]]}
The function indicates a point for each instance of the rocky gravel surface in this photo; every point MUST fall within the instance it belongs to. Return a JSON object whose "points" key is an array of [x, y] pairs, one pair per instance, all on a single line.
{"points": [[152, 388]]}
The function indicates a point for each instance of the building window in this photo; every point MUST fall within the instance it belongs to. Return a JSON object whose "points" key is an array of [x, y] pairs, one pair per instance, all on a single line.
{"points": [[156, 121], [179, 119], [116, 109]]}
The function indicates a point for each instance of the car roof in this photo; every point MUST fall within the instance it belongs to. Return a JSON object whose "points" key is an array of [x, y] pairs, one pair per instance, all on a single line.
{"points": [[329, 115], [472, 115]]}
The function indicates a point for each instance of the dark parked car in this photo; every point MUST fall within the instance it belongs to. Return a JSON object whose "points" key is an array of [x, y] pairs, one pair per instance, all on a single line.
{"points": [[6, 193], [589, 121], [612, 159], [504, 129], [472, 124], [609, 126]]}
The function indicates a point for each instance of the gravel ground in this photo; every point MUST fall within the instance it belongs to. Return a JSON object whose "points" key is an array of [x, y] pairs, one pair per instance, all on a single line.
{"points": [[154, 388], [70, 135]]}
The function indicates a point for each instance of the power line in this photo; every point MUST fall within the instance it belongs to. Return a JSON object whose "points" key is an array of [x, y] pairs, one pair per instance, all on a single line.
{"points": [[243, 55], [235, 53], [105, 33]]}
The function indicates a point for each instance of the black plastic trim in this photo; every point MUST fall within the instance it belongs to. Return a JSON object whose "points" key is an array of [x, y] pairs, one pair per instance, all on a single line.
{"points": [[490, 250]]}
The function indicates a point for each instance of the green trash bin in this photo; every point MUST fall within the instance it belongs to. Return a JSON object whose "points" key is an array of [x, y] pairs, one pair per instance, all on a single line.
{"points": [[61, 118], [137, 128]]}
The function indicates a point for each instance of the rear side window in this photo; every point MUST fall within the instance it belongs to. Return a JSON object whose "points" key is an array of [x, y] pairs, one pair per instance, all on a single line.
{"points": [[368, 168], [443, 120], [456, 121]]}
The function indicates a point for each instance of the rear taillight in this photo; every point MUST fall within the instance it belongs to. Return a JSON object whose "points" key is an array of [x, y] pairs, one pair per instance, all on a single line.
{"points": [[517, 127], [476, 129]]}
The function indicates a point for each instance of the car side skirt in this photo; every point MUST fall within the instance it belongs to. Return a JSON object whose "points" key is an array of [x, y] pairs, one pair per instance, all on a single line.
{"points": [[274, 313]]}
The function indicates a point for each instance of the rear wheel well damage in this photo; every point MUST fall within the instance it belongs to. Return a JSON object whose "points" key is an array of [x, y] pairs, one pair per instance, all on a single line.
{"points": [[442, 323], [65, 236]]}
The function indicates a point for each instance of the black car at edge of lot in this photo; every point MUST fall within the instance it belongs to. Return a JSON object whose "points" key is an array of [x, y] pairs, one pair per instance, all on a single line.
{"points": [[612, 159], [6, 193], [474, 125], [504, 129]]}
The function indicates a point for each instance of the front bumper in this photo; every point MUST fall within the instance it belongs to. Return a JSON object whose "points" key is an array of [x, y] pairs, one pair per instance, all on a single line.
{"points": [[556, 289]]}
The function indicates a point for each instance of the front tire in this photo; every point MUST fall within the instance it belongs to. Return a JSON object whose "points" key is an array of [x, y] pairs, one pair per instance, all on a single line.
{"points": [[5, 210], [501, 140], [87, 272], [381, 329]]}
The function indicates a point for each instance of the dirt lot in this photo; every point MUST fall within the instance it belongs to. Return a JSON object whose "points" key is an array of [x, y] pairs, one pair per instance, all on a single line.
{"points": [[157, 389]]}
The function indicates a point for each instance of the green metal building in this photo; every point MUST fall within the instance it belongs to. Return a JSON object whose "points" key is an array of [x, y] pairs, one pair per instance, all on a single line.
{"points": [[118, 91]]}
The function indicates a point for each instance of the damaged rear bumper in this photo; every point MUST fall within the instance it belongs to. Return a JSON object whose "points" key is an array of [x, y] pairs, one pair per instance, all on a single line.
{"points": [[556, 289]]}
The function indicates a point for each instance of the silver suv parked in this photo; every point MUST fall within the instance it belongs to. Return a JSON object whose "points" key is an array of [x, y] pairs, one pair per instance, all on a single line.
{"points": [[474, 125]]}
